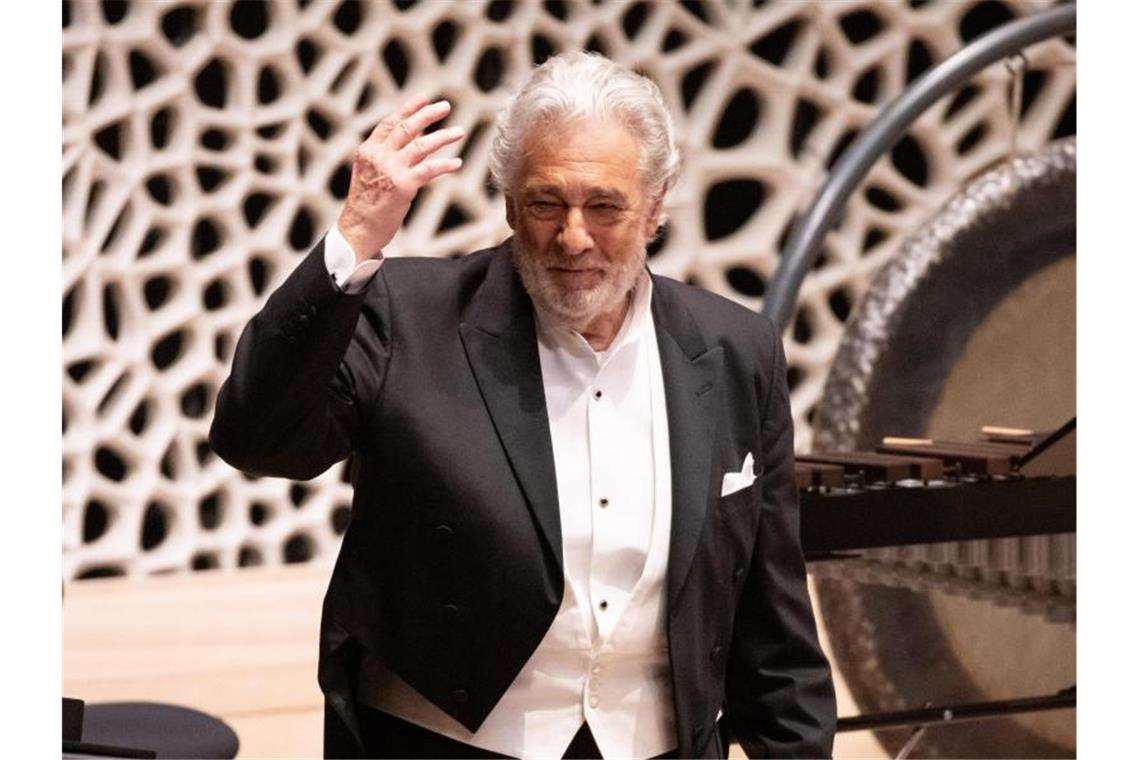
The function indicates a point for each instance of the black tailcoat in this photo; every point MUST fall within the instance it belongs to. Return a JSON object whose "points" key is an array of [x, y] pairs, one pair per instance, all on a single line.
{"points": [[450, 572]]}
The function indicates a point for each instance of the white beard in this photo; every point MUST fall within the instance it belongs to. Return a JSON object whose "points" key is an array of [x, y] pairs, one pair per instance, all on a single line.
{"points": [[576, 307]]}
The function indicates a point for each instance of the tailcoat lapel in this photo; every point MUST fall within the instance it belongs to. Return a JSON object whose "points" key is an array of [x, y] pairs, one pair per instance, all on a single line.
{"points": [[498, 335], [692, 376]]}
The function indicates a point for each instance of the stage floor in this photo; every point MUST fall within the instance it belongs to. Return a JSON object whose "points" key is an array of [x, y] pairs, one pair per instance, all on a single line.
{"points": [[240, 645]]}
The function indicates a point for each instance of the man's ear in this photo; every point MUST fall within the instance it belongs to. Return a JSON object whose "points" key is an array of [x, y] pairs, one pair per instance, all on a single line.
{"points": [[511, 216], [653, 220]]}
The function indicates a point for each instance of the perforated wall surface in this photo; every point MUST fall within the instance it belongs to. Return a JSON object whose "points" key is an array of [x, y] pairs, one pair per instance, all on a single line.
{"points": [[206, 147]]}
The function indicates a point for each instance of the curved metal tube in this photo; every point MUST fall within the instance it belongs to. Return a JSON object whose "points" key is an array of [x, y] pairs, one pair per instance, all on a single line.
{"points": [[881, 134]]}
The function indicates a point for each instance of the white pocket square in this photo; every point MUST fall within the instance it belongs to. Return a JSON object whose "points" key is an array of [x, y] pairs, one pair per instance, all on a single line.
{"points": [[736, 481]]}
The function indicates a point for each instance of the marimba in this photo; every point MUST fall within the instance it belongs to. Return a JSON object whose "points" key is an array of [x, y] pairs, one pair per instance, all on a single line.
{"points": [[993, 517]]}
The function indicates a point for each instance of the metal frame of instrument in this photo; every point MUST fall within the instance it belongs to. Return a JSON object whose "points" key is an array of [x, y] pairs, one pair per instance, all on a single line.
{"points": [[930, 715], [804, 245]]}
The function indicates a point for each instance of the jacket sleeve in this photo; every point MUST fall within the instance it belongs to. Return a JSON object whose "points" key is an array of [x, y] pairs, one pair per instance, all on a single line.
{"points": [[780, 697], [303, 370]]}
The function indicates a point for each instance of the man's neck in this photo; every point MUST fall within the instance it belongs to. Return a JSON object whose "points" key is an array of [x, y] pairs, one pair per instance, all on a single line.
{"points": [[601, 330]]}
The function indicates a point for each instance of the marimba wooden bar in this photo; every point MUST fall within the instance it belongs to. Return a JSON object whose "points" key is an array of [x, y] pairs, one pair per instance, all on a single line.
{"points": [[972, 458], [818, 475]]}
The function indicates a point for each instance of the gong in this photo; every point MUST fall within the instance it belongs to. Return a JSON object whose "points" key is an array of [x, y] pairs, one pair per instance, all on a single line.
{"points": [[972, 323]]}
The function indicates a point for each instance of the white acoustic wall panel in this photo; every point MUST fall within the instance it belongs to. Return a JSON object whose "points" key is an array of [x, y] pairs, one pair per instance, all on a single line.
{"points": [[206, 148]]}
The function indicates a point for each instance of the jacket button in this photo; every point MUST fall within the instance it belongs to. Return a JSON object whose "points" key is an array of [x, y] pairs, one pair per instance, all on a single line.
{"points": [[443, 532], [450, 612], [312, 311], [459, 695], [737, 573], [714, 652]]}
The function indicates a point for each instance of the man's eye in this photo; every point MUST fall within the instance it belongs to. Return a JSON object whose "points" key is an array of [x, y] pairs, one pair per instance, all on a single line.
{"points": [[606, 211], [607, 208], [544, 208]]}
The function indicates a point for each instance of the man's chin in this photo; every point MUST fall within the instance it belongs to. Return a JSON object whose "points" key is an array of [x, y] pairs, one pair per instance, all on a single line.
{"points": [[573, 308]]}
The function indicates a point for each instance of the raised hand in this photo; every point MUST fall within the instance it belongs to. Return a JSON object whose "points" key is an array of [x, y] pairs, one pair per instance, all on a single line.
{"points": [[389, 168]]}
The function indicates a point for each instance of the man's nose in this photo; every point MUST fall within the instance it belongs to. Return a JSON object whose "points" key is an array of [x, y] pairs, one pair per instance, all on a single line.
{"points": [[574, 237]]}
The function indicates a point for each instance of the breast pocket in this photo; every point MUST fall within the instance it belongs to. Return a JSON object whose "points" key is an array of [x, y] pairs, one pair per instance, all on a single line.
{"points": [[746, 497], [738, 515]]}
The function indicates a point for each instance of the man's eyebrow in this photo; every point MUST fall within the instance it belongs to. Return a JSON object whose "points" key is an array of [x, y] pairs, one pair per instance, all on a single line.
{"points": [[608, 193], [536, 189]]}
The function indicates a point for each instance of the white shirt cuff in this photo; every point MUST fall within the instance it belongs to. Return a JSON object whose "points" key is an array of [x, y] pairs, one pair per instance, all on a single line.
{"points": [[340, 260]]}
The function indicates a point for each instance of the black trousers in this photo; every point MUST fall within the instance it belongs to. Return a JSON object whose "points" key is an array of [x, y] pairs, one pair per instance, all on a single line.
{"points": [[388, 737]]}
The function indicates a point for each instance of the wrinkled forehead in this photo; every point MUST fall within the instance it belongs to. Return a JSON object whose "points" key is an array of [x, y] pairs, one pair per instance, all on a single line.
{"points": [[581, 154]]}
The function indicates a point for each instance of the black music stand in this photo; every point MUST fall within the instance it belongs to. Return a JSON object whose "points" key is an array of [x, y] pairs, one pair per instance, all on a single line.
{"points": [[144, 730]]}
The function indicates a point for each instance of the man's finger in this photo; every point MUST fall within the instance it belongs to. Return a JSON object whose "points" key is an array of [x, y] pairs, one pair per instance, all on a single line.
{"points": [[424, 145], [426, 171], [410, 127], [384, 127]]}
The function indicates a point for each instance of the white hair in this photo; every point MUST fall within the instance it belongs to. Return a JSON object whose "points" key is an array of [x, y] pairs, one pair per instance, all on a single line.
{"points": [[577, 85]]}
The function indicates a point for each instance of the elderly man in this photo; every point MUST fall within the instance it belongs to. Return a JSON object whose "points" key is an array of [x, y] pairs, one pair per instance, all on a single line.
{"points": [[574, 528]]}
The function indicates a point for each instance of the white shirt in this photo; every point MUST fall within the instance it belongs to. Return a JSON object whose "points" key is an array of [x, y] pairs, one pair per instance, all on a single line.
{"points": [[604, 660]]}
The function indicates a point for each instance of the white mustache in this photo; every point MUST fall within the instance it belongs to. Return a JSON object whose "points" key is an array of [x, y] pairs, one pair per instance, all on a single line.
{"points": [[576, 265]]}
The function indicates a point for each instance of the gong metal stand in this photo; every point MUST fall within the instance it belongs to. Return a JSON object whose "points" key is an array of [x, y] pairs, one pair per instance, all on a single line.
{"points": [[930, 715], [805, 243]]}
